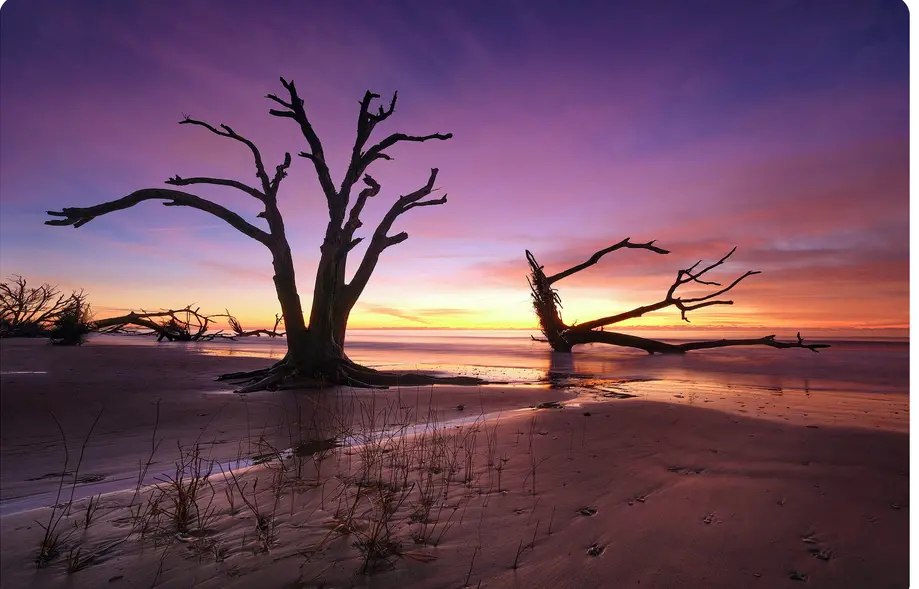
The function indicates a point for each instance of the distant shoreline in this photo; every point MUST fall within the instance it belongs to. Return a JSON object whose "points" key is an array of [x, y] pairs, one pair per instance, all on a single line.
{"points": [[525, 333], [656, 332]]}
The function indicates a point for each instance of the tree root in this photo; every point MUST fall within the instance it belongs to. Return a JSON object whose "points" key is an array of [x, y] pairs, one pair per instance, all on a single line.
{"points": [[248, 375], [340, 372]]}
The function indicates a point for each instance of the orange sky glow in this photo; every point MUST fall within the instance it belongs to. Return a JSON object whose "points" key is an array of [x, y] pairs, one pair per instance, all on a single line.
{"points": [[779, 128]]}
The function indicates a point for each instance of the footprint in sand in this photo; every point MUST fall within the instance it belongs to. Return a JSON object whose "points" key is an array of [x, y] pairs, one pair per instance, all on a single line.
{"points": [[686, 469], [640, 499], [810, 538]]}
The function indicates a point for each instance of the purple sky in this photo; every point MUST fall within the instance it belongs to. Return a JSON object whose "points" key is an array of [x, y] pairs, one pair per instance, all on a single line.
{"points": [[779, 127]]}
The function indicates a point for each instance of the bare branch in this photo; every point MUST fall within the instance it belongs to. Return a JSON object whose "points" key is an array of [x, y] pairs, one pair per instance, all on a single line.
{"points": [[179, 181], [395, 239], [25, 310], [563, 337], [281, 102], [169, 325], [597, 255], [684, 276], [81, 216], [692, 276], [279, 174], [376, 152], [381, 240], [366, 122], [354, 220], [619, 317], [427, 203], [723, 290], [403, 204], [382, 115], [689, 275], [228, 132], [295, 110], [239, 331]]}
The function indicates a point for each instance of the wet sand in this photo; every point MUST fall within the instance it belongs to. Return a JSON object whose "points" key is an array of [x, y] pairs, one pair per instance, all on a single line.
{"points": [[684, 496], [127, 382]]}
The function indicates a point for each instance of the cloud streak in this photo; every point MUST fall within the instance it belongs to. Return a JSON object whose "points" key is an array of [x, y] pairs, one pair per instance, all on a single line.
{"points": [[780, 128]]}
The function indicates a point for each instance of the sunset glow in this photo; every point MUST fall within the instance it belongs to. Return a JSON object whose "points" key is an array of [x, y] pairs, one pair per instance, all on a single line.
{"points": [[781, 129]]}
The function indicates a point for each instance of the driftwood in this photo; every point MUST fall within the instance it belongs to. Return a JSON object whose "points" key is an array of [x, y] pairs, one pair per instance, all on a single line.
{"points": [[563, 337], [239, 331], [181, 325]]}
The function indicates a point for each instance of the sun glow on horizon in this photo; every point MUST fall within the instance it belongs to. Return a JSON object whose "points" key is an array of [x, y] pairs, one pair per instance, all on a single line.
{"points": [[807, 175]]}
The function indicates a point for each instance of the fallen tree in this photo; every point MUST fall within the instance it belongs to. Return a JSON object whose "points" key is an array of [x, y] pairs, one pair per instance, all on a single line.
{"points": [[182, 325], [239, 331], [563, 337], [315, 354]]}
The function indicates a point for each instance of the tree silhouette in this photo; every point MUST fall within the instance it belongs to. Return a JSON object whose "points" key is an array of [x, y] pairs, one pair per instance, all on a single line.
{"points": [[315, 353], [563, 337], [27, 311]]}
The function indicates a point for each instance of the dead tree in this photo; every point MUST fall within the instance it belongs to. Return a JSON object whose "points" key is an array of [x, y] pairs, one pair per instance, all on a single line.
{"points": [[239, 331], [182, 325], [71, 326], [562, 337], [315, 354], [27, 311]]}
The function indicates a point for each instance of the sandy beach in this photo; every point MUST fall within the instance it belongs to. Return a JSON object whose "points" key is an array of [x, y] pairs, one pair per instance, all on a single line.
{"points": [[669, 488]]}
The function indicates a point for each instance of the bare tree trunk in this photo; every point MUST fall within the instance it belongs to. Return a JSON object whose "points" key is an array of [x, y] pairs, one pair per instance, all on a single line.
{"points": [[315, 350], [285, 285]]}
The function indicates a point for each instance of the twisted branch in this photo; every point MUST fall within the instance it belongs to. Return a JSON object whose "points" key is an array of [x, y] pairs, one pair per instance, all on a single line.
{"points": [[238, 330], [171, 326], [684, 276], [562, 337], [23, 307], [381, 240], [294, 109], [78, 217], [625, 243], [230, 133]]}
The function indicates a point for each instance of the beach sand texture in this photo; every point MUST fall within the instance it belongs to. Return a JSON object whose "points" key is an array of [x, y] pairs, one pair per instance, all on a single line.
{"points": [[722, 485]]}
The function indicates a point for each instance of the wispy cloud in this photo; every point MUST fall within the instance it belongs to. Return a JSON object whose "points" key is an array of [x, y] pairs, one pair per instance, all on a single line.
{"points": [[655, 126], [423, 316]]}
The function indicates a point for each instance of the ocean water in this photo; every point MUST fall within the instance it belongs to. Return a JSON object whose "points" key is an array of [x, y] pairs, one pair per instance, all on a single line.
{"points": [[855, 383], [865, 366]]}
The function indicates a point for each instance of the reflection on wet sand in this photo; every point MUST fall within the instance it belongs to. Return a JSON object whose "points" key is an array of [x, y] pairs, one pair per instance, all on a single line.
{"points": [[854, 383]]}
